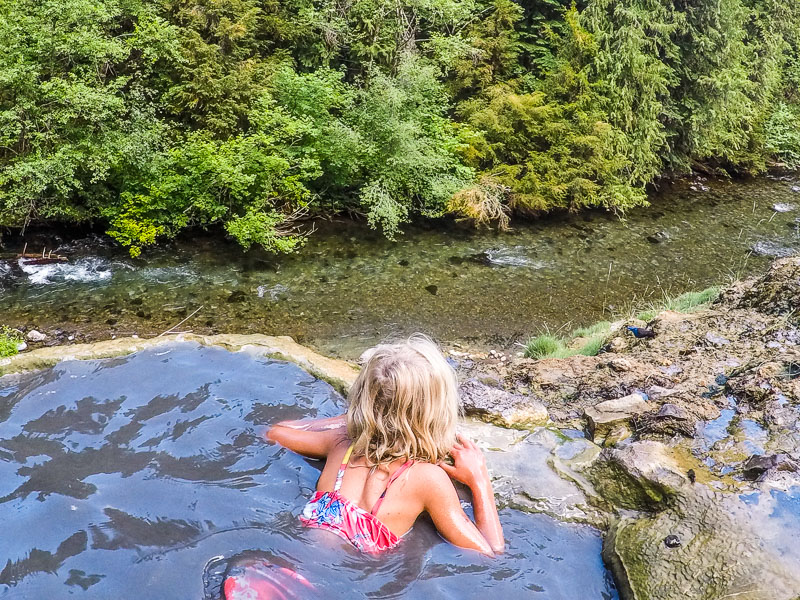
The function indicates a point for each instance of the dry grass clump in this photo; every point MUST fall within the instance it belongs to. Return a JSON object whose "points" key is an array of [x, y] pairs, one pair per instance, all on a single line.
{"points": [[483, 203]]}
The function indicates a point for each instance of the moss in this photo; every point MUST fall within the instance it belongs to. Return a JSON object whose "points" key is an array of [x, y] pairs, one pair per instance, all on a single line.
{"points": [[9, 341], [647, 315], [622, 490]]}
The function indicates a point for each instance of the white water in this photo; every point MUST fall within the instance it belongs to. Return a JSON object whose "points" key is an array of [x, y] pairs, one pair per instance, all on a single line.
{"points": [[88, 269]]}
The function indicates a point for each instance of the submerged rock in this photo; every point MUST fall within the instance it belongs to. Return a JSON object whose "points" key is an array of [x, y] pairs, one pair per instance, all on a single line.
{"points": [[36, 336], [770, 248]]}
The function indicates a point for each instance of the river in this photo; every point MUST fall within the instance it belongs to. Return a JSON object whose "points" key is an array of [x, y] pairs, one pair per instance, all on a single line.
{"points": [[350, 287]]}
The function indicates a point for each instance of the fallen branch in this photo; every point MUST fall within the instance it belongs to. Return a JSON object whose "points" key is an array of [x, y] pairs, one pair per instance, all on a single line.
{"points": [[179, 324]]}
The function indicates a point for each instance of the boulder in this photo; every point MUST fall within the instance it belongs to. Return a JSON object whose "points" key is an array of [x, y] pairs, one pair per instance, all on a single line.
{"points": [[614, 416], [706, 546], [495, 405], [640, 476]]}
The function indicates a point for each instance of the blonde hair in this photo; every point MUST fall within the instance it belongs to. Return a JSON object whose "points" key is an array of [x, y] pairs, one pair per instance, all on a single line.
{"points": [[404, 404]]}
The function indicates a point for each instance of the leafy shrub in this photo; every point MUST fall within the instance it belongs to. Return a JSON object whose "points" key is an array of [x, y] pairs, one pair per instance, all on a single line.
{"points": [[10, 339]]}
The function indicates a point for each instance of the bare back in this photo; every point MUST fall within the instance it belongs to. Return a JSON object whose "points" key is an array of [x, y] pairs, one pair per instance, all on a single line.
{"points": [[364, 485]]}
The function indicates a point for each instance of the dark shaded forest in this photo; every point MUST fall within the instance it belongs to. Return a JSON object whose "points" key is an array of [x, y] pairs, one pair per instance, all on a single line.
{"points": [[152, 116]]}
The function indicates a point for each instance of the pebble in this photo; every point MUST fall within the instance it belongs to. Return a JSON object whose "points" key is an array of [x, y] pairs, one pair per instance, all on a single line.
{"points": [[717, 339], [36, 336]]}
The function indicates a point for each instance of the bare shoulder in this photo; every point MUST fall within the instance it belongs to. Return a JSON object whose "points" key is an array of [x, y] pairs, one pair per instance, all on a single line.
{"points": [[431, 477]]}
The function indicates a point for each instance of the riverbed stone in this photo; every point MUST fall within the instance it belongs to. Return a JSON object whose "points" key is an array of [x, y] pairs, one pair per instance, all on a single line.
{"points": [[35, 336], [614, 415], [495, 405]]}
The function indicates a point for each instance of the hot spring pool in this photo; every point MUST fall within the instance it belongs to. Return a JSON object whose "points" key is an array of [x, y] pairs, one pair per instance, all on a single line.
{"points": [[142, 476]]}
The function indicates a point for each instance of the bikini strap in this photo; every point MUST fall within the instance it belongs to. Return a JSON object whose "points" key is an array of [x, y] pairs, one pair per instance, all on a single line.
{"points": [[397, 474], [343, 466]]}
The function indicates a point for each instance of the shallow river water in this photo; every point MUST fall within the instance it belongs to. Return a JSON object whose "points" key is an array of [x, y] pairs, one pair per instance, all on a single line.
{"points": [[143, 476], [350, 287]]}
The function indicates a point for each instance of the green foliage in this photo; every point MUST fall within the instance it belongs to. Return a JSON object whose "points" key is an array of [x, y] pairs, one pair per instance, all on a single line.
{"points": [[782, 134], [543, 346], [599, 328], [10, 339], [245, 115], [586, 341], [553, 147]]}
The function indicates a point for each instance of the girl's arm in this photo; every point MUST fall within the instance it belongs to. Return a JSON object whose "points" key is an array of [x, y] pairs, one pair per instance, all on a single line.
{"points": [[469, 467], [313, 438]]}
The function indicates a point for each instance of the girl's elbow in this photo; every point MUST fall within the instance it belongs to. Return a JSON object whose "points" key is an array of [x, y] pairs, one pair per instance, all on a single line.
{"points": [[274, 433]]}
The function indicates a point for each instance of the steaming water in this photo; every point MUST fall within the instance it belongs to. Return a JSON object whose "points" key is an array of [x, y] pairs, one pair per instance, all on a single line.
{"points": [[141, 477]]}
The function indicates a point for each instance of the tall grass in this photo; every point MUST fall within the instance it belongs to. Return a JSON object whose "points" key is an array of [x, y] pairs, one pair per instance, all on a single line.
{"points": [[688, 302], [549, 346], [594, 337]]}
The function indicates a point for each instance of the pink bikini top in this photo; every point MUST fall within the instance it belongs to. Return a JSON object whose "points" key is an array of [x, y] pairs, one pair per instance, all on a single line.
{"points": [[334, 512]]}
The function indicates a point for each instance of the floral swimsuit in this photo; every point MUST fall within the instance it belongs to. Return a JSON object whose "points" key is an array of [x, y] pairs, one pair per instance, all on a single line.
{"points": [[334, 512]]}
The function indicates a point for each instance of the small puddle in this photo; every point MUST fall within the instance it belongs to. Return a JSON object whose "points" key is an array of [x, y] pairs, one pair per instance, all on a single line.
{"points": [[150, 472]]}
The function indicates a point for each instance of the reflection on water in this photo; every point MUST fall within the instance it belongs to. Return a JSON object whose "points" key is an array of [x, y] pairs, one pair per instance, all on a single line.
{"points": [[150, 472]]}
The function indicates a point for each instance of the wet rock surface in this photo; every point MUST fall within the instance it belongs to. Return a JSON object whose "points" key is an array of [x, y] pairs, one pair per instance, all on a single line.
{"points": [[705, 545], [685, 445], [698, 442]]}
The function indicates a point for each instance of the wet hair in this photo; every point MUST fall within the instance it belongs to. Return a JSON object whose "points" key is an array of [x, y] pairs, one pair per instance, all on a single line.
{"points": [[404, 403]]}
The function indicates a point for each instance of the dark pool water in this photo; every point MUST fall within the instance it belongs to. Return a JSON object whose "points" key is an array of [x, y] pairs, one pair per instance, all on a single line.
{"points": [[143, 476], [350, 287]]}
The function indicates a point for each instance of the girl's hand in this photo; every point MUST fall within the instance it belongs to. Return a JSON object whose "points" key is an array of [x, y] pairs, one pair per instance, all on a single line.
{"points": [[469, 466]]}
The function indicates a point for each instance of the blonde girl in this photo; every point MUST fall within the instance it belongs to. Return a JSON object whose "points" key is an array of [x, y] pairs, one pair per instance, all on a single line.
{"points": [[385, 458]]}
